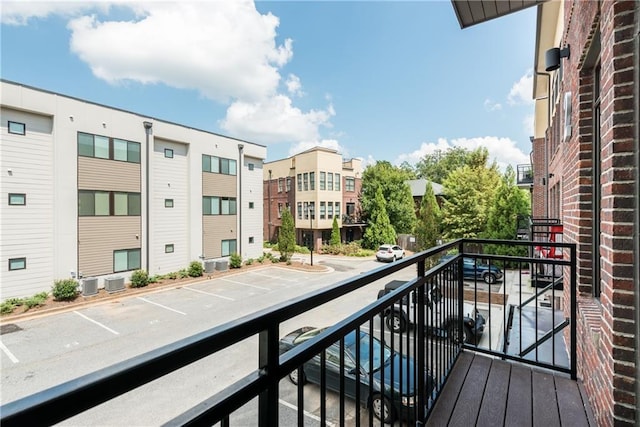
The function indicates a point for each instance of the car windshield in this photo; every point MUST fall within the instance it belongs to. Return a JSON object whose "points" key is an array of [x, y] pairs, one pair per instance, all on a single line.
{"points": [[383, 248], [381, 353]]}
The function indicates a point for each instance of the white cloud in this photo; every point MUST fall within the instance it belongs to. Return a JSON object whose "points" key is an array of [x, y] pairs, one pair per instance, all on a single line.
{"points": [[490, 105], [294, 86], [21, 12], [503, 150], [275, 120], [521, 92], [528, 123], [325, 143]]}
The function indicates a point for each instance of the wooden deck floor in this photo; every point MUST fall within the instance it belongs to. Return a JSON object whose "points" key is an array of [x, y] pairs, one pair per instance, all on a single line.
{"points": [[482, 391]]}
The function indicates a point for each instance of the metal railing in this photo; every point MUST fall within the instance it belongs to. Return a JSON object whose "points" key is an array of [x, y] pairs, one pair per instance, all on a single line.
{"points": [[375, 357]]}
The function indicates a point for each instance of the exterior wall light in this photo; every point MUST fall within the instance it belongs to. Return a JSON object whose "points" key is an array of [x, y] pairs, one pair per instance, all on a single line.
{"points": [[552, 57]]}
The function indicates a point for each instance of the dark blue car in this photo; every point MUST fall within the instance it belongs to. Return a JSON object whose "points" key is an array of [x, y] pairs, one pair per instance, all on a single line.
{"points": [[473, 269]]}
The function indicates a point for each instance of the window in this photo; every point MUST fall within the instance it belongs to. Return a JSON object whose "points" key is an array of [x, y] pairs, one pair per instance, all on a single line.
{"points": [[329, 210], [337, 210], [228, 247], [280, 185], [17, 264], [337, 186], [299, 210], [168, 249], [349, 184], [108, 203], [251, 239], [323, 210], [323, 180], [312, 210], [250, 205], [221, 165], [312, 180], [306, 210], [330, 181], [17, 199], [279, 210], [168, 203], [596, 161], [168, 153], [126, 259], [213, 205], [16, 128], [250, 166], [299, 182], [102, 147], [288, 184], [305, 180]]}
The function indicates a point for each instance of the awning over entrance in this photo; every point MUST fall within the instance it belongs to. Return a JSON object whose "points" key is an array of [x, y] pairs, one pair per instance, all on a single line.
{"points": [[471, 12]]}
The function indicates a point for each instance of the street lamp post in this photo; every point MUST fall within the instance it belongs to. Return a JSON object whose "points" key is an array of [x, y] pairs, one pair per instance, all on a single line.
{"points": [[311, 228]]}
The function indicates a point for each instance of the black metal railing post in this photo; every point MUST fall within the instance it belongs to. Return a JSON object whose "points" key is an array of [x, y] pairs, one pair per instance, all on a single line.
{"points": [[421, 363], [268, 359], [574, 313], [460, 290]]}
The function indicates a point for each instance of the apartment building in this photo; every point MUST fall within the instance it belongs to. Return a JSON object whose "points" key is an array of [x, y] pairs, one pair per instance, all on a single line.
{"points": [[94, 191], [316, 186]]}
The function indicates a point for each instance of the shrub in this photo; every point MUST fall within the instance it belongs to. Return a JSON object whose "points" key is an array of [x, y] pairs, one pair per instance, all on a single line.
{"points": [[139, 279], [302, 250], [183, 273], [36, 300], [156, 278], [7, 307], [65, 290], [173, 275], [15, 301], [196, 269], [235, 260], [249, 261]]}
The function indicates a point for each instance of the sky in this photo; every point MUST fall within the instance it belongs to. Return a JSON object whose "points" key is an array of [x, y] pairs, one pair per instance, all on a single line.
{"points": [[384, 80]]}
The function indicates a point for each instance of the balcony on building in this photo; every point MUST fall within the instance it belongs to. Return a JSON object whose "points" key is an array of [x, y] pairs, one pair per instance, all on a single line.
{"points": [[525, 176]]}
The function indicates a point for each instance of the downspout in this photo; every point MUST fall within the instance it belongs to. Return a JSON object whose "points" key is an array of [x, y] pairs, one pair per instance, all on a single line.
{"points": [[546, 142], [148, 129], [239, 206], [269, 206]]}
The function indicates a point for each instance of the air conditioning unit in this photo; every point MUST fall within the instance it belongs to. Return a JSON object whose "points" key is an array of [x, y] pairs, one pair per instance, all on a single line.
{"points": [[89, 286], [222, 265], [209, 266], [114, 284]]}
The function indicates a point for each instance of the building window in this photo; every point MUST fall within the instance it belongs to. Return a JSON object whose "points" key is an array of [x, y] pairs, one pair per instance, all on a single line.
{"points": [[337, 186], [214, 205], [305, 180], [596, 161], [323, 210], [323, 180], [168, 153], [168, 203], [312, 180], [250, 205], [168, 249], [126, 260], [330, 181], [17, 264], [288, 184], [102, 147], [329, 210], [16, 128], [299, 182], [250, 166], [221, 165], [306, 210], [349, 184], [280, 185], [228, 247], [312, 210], [279, 210], [108, 203], [299, 210], [337, 210], [17, 199], [251, 239]]}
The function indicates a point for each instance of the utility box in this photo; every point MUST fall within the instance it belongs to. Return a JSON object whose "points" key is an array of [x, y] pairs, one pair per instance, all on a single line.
{"points": [[114, 284], [222, 265], [209, 266], [89, 286]]}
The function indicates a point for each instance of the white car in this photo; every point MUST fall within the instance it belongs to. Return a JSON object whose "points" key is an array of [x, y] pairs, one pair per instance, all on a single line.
{"points": [[389, 253]]}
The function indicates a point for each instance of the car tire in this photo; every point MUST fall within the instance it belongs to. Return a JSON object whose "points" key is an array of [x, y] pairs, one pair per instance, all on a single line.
{"points": [[293, 377], [467, 335], [490, 278], [396, 322], [382, 408]]}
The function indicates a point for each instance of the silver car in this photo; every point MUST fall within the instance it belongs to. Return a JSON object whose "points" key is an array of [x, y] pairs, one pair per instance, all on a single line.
{"points": [[389, 253]]}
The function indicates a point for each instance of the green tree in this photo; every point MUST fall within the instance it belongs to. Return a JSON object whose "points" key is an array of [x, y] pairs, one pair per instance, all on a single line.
{"points": [[335, 233], [396, 192], [469, 193], [379, 229], [428, 224], [286, 237], [436, 166]]}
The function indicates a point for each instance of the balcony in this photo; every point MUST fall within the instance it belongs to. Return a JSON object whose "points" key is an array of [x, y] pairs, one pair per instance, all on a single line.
{"points": [[494, 348], [525, 176]]}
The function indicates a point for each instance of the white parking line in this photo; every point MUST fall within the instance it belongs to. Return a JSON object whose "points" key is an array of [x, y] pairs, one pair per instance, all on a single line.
{"points": [[208, 293], [163, 306], [273, 277], [308, 414], [97, 323], [245, 284], [8, 353]]}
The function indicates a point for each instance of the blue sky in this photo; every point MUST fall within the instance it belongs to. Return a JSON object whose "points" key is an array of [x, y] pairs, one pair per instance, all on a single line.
{"points": [[375, 80]]}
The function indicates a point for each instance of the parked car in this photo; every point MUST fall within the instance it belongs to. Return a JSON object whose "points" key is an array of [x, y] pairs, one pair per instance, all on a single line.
{"points": [[438, 323], [384, 362], [474, 269], [389, 253]]}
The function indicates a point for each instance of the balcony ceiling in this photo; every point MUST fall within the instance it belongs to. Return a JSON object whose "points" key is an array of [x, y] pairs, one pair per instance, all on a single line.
{"points": [[471, 12]]}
